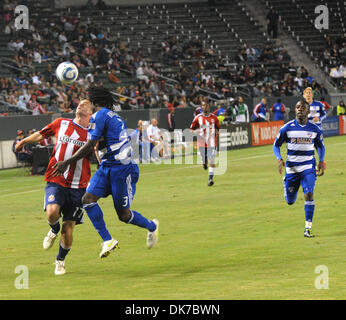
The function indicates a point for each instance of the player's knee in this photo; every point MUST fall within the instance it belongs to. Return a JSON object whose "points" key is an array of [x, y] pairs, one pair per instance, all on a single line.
{"points": [[124, 215], [88, 198], [67, 227], [53, 212], [309, 196]]}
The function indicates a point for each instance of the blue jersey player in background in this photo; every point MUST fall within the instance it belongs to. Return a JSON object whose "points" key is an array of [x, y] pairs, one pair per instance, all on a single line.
{"points": [[317, 112], [302, 137], [117, 174]]}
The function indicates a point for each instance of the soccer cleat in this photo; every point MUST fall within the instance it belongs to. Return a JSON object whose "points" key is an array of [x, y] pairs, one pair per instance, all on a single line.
{"points": [[48, 241], [59, 267], [210, 183], [153, 236], [107, 247], [307, 233]]}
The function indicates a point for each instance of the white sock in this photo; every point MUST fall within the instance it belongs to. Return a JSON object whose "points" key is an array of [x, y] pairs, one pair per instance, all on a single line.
{"points": [[308, 224]]}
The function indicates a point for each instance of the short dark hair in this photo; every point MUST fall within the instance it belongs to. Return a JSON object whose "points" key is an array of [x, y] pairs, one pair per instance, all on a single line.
{"points": [[101, 97], [303, 101]]}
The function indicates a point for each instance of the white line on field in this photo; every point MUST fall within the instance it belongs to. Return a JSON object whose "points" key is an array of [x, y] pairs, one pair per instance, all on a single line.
{"points": [[18, 193]]}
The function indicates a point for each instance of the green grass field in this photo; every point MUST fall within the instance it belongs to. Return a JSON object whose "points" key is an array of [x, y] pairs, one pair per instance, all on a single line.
{"points": [[235, 240]]}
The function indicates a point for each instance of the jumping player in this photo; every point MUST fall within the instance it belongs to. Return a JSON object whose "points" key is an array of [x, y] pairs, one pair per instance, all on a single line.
{"points": [[117, 174], [207, 125], [317, 112], [302, 137], [63, 194]]}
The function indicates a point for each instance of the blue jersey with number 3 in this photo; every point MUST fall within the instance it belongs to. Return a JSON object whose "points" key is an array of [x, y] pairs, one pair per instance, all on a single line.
{"points": [[109, 125]]}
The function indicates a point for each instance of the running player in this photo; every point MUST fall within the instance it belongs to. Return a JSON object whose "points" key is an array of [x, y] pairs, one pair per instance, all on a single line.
{"points": [[63, 194], [301, 137], [207, 124], [117, 174], [317, 112]]}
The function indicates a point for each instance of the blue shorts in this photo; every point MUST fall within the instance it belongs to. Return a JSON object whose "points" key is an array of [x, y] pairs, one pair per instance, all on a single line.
{"points": [[117, 180], [292, 182], [208, 154], [69, 200]]}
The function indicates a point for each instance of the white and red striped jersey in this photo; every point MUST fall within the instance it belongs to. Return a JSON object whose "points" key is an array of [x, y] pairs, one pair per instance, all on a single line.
{"points": [[207, 125], [69, 138]]}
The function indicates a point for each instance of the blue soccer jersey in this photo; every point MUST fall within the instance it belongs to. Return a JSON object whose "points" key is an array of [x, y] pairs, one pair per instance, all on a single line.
{"points": [[301, 141], [317, 110], [109, 125]]}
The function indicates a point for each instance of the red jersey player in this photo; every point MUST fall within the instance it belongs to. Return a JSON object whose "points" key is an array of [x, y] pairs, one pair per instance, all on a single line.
{"points": [[207, 126], [63, 194]]}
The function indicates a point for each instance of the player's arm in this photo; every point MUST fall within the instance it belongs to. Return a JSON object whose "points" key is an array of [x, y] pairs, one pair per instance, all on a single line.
{"points": [[276, 149], [96, 151], [97, 124], [61, 166], [34, 138], [323, 113], [217, 126], [194, 126], [319, 145]]}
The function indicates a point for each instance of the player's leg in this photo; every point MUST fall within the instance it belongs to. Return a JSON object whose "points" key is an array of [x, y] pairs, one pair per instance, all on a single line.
{"points": [[291, 183], [204, 157], [73, 214], [211, 155], [65, 246], [123, 191], [53, 201], [308, 184], [97, 188]]}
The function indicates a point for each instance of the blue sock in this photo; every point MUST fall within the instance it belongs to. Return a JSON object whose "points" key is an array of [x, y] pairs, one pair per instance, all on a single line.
{"points": [[140, 221], [55, 227], [95, 214], [62, 253], [309, 210]]}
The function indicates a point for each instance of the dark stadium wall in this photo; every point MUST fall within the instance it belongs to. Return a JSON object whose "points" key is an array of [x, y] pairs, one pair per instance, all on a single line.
{"points": [[10, 125], [65, 3]]}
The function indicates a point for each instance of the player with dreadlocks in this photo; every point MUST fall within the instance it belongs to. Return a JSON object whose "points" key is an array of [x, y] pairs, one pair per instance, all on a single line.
{"points": [[117, 174]]}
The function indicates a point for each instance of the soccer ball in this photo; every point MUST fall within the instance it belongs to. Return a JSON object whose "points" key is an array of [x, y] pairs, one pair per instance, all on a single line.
{"points": [[67, 72]]}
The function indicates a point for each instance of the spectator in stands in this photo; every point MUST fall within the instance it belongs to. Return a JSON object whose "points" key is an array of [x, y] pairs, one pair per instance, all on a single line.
{"points": [[140, 74], [112, 77], [24, 155], [341, 108], [260, 111], [251, 54], [279, 110], [21, 103], [337, 75], [36, 107], [20, 80]]}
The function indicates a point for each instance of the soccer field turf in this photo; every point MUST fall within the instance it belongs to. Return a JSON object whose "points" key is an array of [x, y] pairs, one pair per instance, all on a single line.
{"points": [[235, 240]]}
